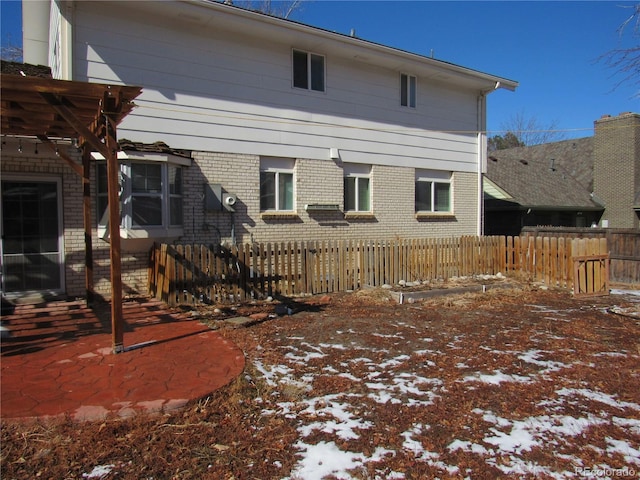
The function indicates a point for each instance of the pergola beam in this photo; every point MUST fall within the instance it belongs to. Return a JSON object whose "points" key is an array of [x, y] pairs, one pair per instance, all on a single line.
{"points": [[81, 129], [44, 108]]}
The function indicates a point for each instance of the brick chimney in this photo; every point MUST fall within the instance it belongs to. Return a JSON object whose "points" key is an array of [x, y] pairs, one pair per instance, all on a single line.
{"points": [[616, 168]]}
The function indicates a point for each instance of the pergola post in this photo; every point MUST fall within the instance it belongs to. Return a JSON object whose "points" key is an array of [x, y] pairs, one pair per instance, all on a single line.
{"points": [[47, 108], [113, 193], [86, 214]]}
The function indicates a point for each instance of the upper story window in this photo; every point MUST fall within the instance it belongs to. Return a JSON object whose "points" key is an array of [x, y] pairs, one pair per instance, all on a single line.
{"points": [[433, 191], [357, 188], [308, 71], [151, 195], [408, 90], [277, 184]]}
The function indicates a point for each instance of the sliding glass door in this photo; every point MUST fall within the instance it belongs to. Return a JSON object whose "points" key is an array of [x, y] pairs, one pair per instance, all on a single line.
{"points": [[32, 259]]}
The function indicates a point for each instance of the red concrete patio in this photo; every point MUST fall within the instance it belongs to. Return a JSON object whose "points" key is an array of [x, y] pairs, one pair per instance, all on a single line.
{"points": [[59, 361]]}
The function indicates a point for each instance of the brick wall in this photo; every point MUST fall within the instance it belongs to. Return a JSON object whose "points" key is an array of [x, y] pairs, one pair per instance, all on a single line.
{"points": [[316, 182], [616, 170], [45, 165]]}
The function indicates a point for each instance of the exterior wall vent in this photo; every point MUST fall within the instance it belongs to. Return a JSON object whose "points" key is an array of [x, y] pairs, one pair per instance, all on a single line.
{"points": [[322, 207]]}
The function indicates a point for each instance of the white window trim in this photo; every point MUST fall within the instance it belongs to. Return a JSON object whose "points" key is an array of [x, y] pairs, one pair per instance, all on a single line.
{"points": [[309, 73], [18, 177], [408, 87], [279, 165], [358, 171], [433, 177], [127, 230]]}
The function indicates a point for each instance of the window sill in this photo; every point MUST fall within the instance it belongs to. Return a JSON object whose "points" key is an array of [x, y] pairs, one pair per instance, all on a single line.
{"points": [[279, 215], [435, 215], [364, 216]]}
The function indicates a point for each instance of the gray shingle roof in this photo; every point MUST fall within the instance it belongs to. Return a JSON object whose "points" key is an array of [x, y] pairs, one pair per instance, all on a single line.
{"points": [[556, 175], [24, 69], [156, 147]]}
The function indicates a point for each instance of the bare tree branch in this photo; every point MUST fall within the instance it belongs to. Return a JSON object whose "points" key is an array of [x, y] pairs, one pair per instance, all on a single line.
{"points": [[625, 62], [634, 16], [527, 130], [10, 50], [276, 8]]}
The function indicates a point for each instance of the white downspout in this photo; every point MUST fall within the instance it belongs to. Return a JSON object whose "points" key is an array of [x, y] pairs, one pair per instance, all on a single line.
{"points": [[482, 150], [66, 36], [35, 32]]}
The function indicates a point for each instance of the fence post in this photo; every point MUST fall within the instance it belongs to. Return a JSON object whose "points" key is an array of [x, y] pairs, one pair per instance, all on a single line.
{"points": [[546, 260], [151, 275], [169, 293]]}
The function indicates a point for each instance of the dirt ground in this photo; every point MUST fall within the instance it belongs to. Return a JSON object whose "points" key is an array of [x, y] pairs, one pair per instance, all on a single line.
{"points": [[509, 383]]}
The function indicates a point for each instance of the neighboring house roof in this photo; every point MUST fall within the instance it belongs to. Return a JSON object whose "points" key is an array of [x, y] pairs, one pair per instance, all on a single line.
{"points": [[491, 190], [552, 176]]}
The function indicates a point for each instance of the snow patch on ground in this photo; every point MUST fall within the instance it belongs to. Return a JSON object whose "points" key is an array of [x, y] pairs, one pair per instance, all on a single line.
{"points": [[402, 380], [496, 378], [101, 471]]}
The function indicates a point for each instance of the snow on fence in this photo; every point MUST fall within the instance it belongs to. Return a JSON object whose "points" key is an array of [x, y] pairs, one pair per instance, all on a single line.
{"points": [[180, 274]]}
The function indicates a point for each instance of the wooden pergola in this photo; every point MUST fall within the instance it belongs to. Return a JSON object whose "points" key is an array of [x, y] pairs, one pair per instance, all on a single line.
{"points": [[49, 109]]}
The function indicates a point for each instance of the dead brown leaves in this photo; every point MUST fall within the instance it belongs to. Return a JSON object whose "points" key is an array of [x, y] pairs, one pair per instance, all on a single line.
{"points": [[243, 431]]}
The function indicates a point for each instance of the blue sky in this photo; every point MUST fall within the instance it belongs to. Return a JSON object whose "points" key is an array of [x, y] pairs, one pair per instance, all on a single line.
{"points": [[550, 47]]}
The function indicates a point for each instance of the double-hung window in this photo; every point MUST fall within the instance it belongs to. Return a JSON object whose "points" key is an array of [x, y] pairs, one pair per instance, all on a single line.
{"points": [[146, 195], [408, 90], [151, 197], [433, 191], [357, 188], [308, 71], [277, 184]]}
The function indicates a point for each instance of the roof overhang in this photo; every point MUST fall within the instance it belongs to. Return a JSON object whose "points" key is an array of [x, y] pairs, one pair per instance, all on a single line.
{"points": [[130, 155], [493, 191]]}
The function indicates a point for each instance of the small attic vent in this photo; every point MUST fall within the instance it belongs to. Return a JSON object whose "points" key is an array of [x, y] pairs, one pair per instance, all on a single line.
{"points": [[494, 159], [523, 161]]}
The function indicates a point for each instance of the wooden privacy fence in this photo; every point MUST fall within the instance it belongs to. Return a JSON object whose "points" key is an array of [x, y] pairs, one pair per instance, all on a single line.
{"points": [[180, 274], [187, 273], [623, 245], [581, 264]]}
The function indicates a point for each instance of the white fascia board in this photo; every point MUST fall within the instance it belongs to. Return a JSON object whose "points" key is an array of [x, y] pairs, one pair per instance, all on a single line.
{"points": [[147, 157], [495, 191]]}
